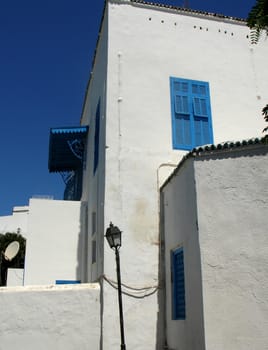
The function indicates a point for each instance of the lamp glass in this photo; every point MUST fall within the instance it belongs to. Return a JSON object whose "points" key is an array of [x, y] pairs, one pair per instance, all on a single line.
{"points": [[110, 240], [117, 239]]}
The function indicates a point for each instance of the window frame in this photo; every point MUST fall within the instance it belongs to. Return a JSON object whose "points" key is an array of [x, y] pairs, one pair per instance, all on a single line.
{"points": [[187, 121]]}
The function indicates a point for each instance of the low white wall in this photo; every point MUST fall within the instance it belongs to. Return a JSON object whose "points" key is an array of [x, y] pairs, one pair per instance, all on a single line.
{"points": [[50, 317]]}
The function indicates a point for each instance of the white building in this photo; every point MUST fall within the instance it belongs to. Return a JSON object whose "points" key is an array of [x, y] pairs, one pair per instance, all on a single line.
{"points": [[146, 58], [164, 80]]}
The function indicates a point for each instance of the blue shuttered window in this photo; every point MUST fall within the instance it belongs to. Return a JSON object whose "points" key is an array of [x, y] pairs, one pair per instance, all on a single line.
{"points": [[191, 113], [178, 285]]}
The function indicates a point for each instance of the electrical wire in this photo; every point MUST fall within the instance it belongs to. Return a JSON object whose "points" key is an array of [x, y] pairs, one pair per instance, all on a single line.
{"points": [[138, 290]]}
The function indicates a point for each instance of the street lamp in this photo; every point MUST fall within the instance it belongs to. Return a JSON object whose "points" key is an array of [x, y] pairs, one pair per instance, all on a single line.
{"points": [[113, 236]]}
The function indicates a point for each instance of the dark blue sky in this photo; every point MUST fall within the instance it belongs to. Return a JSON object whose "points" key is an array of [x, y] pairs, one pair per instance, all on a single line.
{"points": [[46, 50]]}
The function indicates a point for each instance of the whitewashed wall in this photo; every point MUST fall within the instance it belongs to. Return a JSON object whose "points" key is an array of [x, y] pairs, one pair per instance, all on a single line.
{"points": [[153, 44], [50, 317], [215, 206], [180, 229], [54, 244], [232, 201]]}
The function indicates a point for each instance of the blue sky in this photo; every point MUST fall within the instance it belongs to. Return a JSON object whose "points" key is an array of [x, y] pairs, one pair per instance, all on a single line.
{"points": [[46, 51]]}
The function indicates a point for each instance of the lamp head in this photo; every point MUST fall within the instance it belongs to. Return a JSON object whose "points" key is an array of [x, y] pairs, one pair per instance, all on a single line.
{"points": [[113, 236]]}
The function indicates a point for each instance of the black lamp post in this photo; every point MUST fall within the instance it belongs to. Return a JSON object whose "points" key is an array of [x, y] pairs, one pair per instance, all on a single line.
{"points": [[113, 236]]}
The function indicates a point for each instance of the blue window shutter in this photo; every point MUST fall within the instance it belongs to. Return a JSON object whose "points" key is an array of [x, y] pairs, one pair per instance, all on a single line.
{"points": [[181, 121], [179, 311], [201, 114], [97, 138], [191, 114]]}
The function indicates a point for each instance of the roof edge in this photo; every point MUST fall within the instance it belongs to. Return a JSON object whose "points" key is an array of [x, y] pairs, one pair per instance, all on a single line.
{"points": [[183, 9], [223, 147]]}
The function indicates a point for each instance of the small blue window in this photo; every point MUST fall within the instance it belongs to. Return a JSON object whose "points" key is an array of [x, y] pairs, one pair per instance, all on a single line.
{"points": [[191, 113], [178, 285], [97, 138]]}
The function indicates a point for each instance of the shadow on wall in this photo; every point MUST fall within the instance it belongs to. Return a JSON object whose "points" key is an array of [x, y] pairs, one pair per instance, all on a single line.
{"points": [[85, 255], [161, 341], [82, 246]]}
